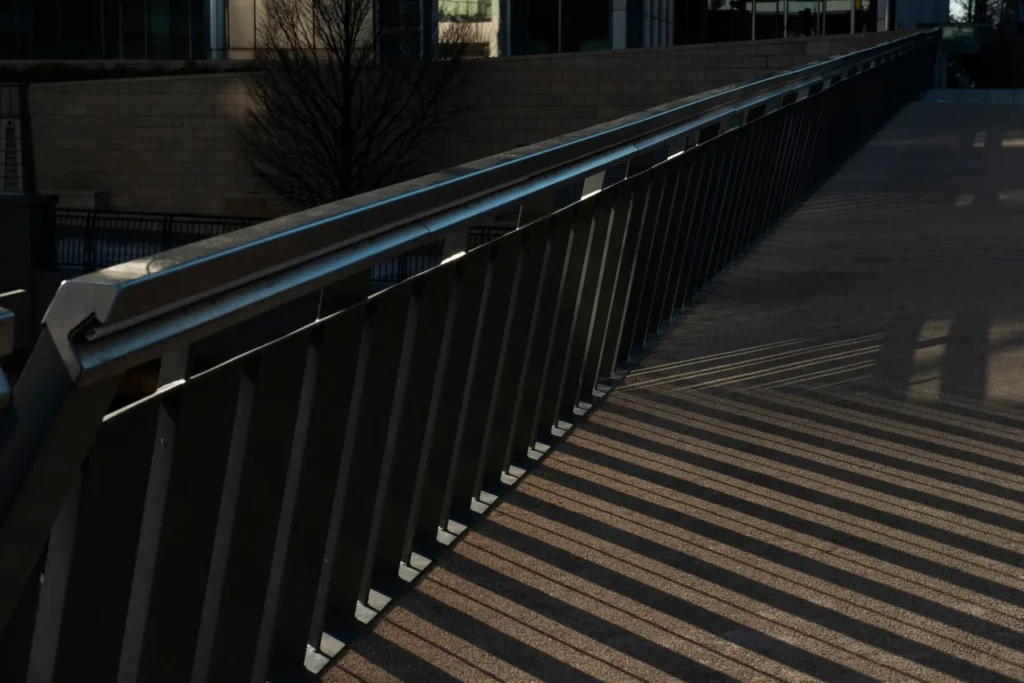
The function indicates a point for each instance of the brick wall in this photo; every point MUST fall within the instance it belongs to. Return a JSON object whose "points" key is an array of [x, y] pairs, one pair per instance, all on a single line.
{"points": [[170, 144], [152, 143]]}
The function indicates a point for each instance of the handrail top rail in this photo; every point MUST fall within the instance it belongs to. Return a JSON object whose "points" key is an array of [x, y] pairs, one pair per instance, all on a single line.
{"points": [[176, 279], [7, 323]]}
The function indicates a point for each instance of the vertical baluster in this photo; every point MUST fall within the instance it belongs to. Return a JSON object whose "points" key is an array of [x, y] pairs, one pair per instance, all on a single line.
{"points": [[755, 132], [790, 196], [522, 333], [702, 162], [528, 244], [711, 179], [773, 146], [581, 328], [250, 509], [489, 345], [722, 190], [776, 206], [809, 178], [554, 237], [383, 337], [312, 484], [662, 181], [286, 523], [409, 439], [422, 526], [724, 148], [602, 267], [677, 236], [182, 497], [804, 183], [91, 555], [89, 245], [568, 299], [649, 322], [664, 302], [393, 331], [808, 120], [611, 284], [461, 325], [616, 350], [737, 185]]}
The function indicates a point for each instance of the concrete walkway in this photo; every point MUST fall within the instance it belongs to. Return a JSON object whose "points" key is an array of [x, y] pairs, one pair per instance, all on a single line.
{"points": [[818, 475]]}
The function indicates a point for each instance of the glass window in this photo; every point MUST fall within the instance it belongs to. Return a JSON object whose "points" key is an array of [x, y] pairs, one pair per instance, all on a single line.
{"points": [[80, 29], [585, 26], [465, 10], [104, 29], [536, 26]]}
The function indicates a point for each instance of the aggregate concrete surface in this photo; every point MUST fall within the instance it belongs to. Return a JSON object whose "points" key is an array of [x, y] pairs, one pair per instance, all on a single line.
{"points": [[816, 475]]}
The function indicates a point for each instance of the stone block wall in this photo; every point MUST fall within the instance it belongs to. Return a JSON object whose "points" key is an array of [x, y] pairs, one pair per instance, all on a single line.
{"points": [[170, 143], [522, 100], [164, 144]]}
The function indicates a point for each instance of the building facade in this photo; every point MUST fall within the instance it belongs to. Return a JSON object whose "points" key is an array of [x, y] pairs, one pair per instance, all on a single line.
{"points": [[228, 29], [551, 26], [111, 29]]}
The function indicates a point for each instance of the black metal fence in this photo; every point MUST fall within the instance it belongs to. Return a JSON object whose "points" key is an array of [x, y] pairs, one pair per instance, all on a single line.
{"points": [[90, 239], [479, 236], [222, 525], [406, 265]]}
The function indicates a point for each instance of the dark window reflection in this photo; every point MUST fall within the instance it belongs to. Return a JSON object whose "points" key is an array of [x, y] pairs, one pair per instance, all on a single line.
{"points": [[538, 29], [104, 29]]}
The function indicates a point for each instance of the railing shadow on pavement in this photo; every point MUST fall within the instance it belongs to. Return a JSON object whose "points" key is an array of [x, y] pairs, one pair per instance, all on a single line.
{"points": [[756, 513], [237, 524]]}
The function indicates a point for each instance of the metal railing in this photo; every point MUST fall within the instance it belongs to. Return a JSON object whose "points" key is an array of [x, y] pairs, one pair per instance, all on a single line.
{"points": [[89, 239], [6, 348], [227, 526]]}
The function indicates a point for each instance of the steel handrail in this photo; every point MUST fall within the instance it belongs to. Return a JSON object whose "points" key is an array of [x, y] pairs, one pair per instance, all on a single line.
{"points": [[251, 270], [6, 348]]}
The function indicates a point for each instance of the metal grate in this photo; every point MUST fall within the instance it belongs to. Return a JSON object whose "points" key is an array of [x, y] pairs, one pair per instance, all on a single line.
{"points": [[12, 170]]}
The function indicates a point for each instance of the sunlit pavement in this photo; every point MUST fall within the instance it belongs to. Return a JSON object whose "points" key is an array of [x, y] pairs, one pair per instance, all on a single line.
{"points": [[816, 475]]}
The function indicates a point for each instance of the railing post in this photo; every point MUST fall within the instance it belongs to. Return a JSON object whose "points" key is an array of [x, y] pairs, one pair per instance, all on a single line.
{"points": [[6, 347], [341, 295], [89, 244], [166, 231], [28, 159], [26, 238], [456, 242]]}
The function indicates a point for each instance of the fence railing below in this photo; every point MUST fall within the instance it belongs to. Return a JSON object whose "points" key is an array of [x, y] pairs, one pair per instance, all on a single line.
{"points": [[91, 239]]}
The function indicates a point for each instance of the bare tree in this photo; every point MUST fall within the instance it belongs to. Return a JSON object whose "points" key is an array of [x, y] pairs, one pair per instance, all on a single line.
{"points": [[328, 118], [996, 12]]}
